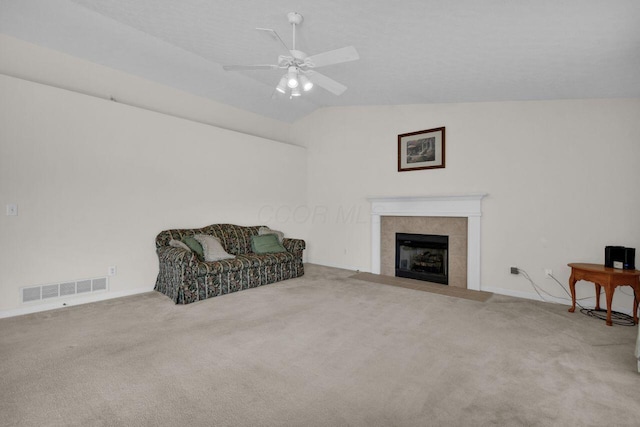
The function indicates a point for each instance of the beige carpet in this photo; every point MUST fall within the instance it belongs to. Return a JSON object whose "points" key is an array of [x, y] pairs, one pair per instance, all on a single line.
{"points": [[321, 350], [420, 285]]}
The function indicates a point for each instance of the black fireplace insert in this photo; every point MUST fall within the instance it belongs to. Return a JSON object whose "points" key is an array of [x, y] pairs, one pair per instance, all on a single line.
{"points": [[423, 257]]}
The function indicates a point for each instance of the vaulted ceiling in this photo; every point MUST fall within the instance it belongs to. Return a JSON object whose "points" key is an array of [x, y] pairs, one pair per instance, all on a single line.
{"points": [[411, 51]]}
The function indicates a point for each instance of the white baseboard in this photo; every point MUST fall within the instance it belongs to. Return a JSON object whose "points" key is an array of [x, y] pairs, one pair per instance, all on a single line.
{"points": [[68, 302], [534, 296]]}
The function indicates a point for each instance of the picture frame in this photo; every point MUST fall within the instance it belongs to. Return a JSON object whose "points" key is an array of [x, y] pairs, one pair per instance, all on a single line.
{"points": [[424, 149]]}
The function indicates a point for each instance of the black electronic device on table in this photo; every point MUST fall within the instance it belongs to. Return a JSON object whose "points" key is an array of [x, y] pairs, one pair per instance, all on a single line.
{"points": [[620, 257]]}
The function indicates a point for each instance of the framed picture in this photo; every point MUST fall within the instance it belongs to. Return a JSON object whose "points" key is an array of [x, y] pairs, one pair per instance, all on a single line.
{"points": [[421, 150]]}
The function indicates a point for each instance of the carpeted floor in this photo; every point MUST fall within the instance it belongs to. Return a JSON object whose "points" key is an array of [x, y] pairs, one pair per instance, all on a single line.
{"points": [[321, 350]]}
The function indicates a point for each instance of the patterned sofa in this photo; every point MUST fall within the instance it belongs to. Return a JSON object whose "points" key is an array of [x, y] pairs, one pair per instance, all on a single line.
{"points": [[185, 279]]}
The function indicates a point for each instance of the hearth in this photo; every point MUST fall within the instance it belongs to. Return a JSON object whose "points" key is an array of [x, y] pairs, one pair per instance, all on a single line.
{"points": [[423, 257]]}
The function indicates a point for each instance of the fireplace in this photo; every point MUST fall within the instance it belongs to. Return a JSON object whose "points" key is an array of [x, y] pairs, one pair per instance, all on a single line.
{"points": [[423, 257], [467, 206]]}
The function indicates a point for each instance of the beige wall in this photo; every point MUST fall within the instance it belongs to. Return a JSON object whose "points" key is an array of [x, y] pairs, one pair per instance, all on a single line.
{"points": [[561, 179], [38, 64], [96, 180]]}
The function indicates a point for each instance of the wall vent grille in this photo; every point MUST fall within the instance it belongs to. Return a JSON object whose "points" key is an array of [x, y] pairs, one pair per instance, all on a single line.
{"points": [[58, 290]]}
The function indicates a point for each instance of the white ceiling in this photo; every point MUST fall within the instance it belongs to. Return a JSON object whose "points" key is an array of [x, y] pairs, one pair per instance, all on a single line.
{"points": [[412, 51]]}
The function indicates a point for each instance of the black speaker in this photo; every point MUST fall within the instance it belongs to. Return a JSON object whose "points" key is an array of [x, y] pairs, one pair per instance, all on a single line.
{"points": [[611, 254], [620, 257], [629, 259]]}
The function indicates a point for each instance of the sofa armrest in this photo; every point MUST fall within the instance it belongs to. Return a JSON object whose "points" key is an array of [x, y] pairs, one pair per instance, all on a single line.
{"points": [[169, 254], [294, 245], [177, 275]]}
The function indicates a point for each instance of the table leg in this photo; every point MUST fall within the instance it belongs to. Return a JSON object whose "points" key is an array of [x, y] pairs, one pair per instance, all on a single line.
{"points": [[572, 287], [608, 291], [636, 295], [598, 289]]}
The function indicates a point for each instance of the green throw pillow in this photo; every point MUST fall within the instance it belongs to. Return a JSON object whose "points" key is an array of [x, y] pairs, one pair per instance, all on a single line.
{"points": [[194, 245], [266, 244]]}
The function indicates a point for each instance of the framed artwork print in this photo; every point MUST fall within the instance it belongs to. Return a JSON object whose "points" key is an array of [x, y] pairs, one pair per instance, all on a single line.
{"points": [[421, 150]]}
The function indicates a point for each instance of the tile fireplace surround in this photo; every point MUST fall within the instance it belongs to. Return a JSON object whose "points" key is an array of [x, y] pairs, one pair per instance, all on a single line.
{"points": [[454, 228], [467, 206]]}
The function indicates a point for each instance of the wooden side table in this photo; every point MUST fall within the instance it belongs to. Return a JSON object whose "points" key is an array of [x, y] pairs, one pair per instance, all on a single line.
{"points": [[610, 278]]}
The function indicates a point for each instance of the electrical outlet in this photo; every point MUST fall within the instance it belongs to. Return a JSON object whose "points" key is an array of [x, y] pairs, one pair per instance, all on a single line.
{"points": [[514, 270], [548, 273], [112, 271], [12, 209]]}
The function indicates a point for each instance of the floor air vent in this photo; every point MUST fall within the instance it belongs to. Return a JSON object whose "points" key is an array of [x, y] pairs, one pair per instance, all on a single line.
{"points": [[58, 290]]}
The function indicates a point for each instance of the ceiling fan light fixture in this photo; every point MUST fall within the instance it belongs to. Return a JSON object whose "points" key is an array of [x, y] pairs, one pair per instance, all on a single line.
{"points": [[306, 83], [295, 91], [282, 86], [292, 77]]}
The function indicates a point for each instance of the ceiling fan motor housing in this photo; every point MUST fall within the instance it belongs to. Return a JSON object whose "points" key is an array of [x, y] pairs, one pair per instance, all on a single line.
{"points": [[294, 18], [298, 54]]}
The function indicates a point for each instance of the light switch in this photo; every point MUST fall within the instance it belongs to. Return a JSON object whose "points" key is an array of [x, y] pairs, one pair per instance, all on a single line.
{"points": [[12, 210]]}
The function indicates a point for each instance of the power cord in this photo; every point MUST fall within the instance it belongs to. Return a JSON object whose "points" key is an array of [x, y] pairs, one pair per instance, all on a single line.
{"points": [[539, 290], [629, 295], [617, 318]]}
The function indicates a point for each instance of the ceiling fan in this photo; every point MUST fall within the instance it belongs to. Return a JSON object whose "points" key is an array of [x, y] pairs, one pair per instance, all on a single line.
{"points": [[300, 67]]}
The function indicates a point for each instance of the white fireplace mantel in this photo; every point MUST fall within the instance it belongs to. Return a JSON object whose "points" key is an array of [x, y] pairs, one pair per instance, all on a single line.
{"points": [[465, 205]]}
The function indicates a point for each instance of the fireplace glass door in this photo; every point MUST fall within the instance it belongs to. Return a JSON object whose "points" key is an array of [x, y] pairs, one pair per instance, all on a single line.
{"points": [[423, 257]]}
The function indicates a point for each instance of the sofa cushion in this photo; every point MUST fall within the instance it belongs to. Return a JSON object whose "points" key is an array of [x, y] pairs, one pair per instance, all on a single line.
{"points": [[179, 244], [266, 244], [194, 245], [266, 230], [243, 262], [258, 260], [212, 248]]}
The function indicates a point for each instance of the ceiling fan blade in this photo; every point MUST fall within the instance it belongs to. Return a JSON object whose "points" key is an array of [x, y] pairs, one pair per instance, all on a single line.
{"points": [[337, 56], [249, 67], [274, 35], [326, 82]]}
